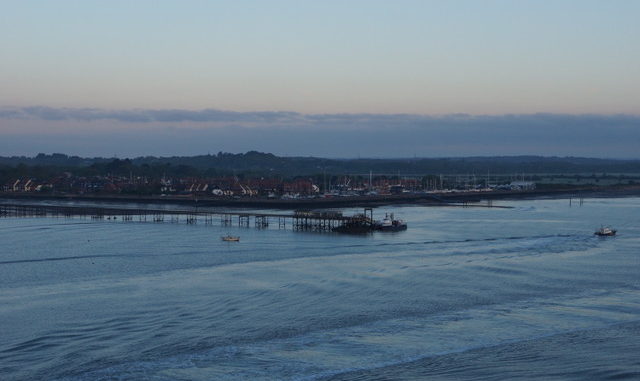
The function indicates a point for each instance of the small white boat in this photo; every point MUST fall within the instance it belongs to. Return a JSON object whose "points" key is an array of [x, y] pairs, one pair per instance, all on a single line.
{"points": [[605, 232], [230, 238]]}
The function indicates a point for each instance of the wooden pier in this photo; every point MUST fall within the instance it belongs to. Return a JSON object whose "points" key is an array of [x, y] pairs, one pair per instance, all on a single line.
{"points": [[300, 220]]}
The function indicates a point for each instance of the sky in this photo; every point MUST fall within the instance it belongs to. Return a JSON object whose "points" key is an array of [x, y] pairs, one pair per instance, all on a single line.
{"points": [[320, 78]]}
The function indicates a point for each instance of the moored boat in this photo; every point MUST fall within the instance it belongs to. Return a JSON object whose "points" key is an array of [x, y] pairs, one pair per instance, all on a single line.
{"points": [[230, 238], [389, 224]]}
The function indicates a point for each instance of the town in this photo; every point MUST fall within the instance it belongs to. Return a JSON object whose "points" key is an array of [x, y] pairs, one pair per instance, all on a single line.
{"points": [[265, 187], [255, 175]]}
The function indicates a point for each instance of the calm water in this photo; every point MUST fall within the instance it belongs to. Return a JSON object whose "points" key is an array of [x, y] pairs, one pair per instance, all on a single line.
{"points": [[465, 293]]}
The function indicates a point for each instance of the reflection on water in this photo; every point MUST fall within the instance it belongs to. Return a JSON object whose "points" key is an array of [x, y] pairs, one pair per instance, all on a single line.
{"points": [[463, 294]]}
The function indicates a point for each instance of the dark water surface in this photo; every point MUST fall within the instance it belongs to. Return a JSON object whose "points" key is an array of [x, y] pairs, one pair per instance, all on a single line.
{"points": [[465, 293]]}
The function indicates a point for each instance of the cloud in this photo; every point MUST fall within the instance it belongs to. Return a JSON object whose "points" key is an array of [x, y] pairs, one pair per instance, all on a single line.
{"points": [[92, 132], [536, 120], [146, 115]]}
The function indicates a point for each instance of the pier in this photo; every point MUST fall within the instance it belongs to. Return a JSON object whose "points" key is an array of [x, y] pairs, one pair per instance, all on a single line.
{"points": [[300, 220]]}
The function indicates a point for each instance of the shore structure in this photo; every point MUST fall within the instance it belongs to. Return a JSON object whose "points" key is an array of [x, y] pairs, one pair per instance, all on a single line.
{"points": [[308, 214], [301, 220], [422, 198]]}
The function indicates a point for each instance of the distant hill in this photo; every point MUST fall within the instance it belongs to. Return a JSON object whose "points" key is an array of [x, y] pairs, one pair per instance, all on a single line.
{"points": [[266, 164]]}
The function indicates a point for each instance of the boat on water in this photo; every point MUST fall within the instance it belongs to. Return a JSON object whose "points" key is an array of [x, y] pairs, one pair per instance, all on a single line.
{"points": [[605, 232], [230, 238], [389, 224]]}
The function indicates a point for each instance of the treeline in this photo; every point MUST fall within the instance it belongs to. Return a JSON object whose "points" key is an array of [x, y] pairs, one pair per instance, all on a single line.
{"points": [[268, 165], [115, 167]]}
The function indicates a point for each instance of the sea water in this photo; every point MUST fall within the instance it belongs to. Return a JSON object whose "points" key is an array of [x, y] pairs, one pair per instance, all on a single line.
{"points": [[465, 293]]}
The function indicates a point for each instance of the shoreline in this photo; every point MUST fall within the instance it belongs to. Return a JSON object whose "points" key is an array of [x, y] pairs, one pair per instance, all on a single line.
{"points": [[426, 199]]}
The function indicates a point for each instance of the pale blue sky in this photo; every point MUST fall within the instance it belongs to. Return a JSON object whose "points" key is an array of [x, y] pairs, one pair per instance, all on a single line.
{"points": [[483, 57], [324, 56]]}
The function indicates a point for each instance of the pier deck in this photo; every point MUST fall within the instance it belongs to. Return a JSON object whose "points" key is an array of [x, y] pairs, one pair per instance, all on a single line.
{"points": [[298, 220]]}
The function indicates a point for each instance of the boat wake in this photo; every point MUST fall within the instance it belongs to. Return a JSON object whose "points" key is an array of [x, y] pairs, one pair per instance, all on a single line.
{"points": [[327, 353]]}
